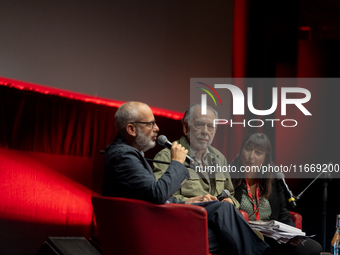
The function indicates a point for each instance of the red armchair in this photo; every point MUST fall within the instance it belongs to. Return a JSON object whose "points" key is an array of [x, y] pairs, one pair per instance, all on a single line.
{"points": [[297, 219], [129, 226]]}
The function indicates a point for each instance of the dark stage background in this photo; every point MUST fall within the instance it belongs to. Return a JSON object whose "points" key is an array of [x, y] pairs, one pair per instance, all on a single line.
{"points": [[110, 47]]}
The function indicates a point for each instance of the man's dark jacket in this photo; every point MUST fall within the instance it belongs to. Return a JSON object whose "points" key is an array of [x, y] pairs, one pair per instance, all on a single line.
{"points": [[128, 174]]}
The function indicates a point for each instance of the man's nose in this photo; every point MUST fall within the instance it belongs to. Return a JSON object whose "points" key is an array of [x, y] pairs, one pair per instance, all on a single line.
{"points": [[156, 128], [205, 129]]}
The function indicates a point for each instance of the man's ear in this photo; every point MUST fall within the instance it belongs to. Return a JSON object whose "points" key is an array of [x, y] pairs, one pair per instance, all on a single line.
{"points": [[131, 129], [185, 128]]}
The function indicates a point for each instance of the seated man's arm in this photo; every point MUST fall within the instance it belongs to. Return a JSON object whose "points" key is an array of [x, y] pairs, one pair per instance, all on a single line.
{"points": [[127, 174], [229, 185], [160, 169]]}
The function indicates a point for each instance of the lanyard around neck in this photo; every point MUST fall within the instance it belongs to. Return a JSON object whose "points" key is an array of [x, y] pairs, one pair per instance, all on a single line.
{"points": [[257, 196]]}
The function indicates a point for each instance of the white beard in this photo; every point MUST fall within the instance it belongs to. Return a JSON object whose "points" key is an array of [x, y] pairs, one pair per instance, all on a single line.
{"points": [[144, 142]]}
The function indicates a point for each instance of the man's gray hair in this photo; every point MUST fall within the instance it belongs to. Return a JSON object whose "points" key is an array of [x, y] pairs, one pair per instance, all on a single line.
{"points": [[126, 114], [188, 112]]}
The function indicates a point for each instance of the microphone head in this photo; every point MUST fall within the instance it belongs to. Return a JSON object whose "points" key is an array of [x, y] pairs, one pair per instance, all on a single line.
{"points": [[162, 139], [293, 203], [280, 176], [226, 193], [328, 174]]}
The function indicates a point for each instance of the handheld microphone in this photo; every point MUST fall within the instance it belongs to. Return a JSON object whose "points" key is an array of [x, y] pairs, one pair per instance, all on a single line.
{"points": [[224, 194], [289, 195], [162, 140]]}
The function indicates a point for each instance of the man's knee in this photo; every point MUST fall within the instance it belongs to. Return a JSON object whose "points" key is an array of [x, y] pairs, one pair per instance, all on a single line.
{"points": [[222, 206], [227, 205]]}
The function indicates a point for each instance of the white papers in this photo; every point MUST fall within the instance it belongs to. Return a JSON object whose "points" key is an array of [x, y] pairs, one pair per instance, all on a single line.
{"points": [[273, 224], [279, 231]]}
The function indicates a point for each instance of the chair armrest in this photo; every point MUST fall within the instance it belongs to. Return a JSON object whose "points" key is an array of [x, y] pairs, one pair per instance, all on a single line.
{"points": [[297, 219], [245, 215], [129, 226]]}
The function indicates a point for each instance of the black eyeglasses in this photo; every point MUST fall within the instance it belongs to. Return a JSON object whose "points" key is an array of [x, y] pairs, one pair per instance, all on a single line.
{"points": [[150, 124]]}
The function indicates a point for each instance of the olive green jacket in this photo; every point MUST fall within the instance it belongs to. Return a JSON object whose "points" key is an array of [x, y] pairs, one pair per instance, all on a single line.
{"points": [[197, 184]]}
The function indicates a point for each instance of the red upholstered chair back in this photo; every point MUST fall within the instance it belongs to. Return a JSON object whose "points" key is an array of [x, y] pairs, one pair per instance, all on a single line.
{"points": [[297, 219], [128, 226]]}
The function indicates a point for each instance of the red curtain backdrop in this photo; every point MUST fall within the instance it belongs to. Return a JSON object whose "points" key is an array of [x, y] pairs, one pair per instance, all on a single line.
{"points": [[50, 163]]}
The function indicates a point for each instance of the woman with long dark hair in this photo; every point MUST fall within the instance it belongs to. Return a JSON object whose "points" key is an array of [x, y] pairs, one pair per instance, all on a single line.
{"points": [[261, 196]]}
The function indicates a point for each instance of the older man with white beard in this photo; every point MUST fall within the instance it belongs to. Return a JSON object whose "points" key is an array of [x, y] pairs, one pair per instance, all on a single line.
{"points": [[199, 133]]}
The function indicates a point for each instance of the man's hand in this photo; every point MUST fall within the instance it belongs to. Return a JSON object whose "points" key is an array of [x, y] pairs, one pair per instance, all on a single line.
{"points": [[200, 198], [228, 200], [178, 152], [209, 197], [194, 200]]}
